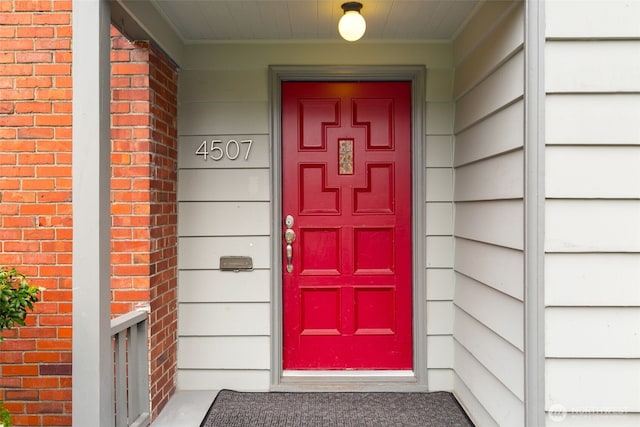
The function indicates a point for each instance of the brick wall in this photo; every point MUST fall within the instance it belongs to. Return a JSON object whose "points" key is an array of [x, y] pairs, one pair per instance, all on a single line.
{"points": [[163, 83], [35, 202]]}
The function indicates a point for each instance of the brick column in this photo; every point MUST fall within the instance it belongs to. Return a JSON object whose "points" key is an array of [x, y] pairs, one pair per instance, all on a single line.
{"points": [[144, 229]]}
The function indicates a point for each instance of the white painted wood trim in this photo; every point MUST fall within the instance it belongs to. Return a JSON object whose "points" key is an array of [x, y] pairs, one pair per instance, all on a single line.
{"points": [[140, 20], [92, 394], [534, 218]]}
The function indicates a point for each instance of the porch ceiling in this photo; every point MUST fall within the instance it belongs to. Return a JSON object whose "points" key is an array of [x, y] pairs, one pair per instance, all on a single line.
{"points": [[197, 21]]}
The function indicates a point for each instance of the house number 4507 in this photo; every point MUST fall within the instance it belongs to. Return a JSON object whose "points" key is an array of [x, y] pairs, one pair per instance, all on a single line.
{"points": [[218, 149]]}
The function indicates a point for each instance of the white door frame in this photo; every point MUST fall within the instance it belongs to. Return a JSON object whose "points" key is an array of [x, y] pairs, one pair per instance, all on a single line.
{"points": [[351, 380]]}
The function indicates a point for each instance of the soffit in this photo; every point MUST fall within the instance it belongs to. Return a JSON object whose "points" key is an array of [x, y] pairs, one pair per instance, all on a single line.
{"points": [[196, 21]]}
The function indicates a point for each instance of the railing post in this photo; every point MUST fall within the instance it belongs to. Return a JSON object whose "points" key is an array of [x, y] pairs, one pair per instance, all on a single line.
{"points": [[131, 369], [143, 370], [121, 378]]}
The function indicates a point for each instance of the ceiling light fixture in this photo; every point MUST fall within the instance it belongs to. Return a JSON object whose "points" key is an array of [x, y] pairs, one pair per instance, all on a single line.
{"points": [[352, 25]]}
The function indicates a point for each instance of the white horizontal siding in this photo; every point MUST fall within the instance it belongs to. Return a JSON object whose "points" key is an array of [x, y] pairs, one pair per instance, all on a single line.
{"points": [[603, 332], [223, 353], [496, 222], [592, 265], [496, 134], [224, 218], [495, 310], [594, 385], [204, 118], [478, 260], [600, 119], [214, 379], [440, 379], [439, 151], [223, 319], [495, 48], [596, 172], [222, 85], [593, 279], [592, 418], [439, 84], [439, 318], [438, 192], [501, 358], [488, 214], [504, 86], [439, 221], [224, 286], [592, 19], [223, 185], [489, 15], [439, 184], [259, 156], [617, 70], [205, 252], [498, 177], [592, 226], [440, 284], [439, 119], [439, 252], [471, 405], [239, 56], [503, 406], [440, 352]]}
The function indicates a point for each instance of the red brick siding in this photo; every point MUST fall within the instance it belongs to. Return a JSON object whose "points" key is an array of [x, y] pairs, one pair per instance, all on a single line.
{"points": [[35, 204], [131, 170], [163, 80]]}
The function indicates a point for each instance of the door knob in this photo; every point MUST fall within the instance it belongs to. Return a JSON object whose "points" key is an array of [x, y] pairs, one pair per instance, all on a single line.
{"points": [[289, 237]]}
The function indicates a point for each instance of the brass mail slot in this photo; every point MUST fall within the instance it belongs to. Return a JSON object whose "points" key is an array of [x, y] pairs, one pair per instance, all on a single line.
{"points": [[236, 263]]}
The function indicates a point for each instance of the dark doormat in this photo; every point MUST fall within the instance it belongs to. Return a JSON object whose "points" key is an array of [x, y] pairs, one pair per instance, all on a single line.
{"points": [[236, 409]]}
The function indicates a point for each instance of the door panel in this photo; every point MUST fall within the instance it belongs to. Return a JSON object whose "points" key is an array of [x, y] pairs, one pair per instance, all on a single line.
{"points": [[347, 301]]}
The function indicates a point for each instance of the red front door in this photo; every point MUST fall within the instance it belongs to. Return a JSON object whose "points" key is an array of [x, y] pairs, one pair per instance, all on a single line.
{"points": [[347, 195]]}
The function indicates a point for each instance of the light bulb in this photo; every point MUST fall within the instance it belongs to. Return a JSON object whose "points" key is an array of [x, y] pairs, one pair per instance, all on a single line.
{"points": [[352, 25]]}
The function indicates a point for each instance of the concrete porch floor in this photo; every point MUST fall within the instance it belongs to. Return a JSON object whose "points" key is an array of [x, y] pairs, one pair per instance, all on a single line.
{"points": [[185, 409]]}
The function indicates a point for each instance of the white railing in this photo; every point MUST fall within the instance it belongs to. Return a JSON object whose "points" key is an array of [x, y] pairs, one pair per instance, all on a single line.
{"points": [[131, 369]]}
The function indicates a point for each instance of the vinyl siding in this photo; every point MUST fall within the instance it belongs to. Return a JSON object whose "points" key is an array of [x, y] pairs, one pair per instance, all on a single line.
{"points": [[592, 240], [225, 206], [489, 219]]}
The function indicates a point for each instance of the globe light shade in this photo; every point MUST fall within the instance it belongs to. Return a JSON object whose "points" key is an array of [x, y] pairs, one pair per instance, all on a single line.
{"points": [[352, 25]]}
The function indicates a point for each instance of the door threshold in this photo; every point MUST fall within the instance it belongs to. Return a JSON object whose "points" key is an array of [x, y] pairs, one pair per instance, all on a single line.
{"points": [[349, 381], [347, 373]]}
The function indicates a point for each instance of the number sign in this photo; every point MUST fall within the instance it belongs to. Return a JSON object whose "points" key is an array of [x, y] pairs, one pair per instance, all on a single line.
{"points": [[217, 149]]}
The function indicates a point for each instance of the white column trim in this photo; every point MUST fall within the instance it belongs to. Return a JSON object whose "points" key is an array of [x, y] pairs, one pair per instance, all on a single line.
{"points": [[534, 204], [92, 355]]}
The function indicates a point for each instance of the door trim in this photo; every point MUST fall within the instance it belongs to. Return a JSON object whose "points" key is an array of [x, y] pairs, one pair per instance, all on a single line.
{"points": [[343, 381]]}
